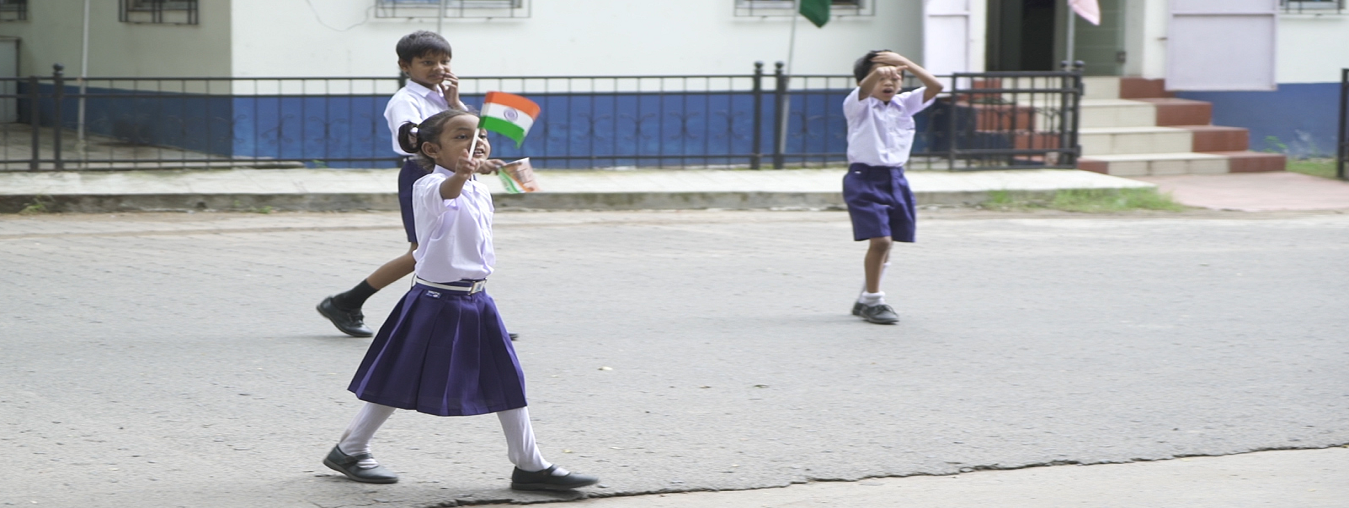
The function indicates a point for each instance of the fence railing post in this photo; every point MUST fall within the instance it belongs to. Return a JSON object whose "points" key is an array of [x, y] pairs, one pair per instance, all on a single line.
{"points": [[1078, 90], [1342, 155], [953, 117], [756, 155], [59, 82], [779, 119], [35, 122]]}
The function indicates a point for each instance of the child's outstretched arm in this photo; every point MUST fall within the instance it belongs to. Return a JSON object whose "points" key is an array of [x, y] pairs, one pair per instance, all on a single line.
{"points": [[464, 168], [933, 85]]}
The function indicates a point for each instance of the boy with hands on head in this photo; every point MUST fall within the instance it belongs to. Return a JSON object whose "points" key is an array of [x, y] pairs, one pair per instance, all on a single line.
{"points": [[880, 135]]}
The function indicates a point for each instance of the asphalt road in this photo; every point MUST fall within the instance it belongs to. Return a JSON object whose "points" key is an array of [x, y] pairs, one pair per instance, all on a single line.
{"points": [[176, 360]]}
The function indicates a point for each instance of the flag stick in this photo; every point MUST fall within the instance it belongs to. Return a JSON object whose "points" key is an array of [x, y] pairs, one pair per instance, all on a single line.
{"points": [[474, 145], [1072, 20]]}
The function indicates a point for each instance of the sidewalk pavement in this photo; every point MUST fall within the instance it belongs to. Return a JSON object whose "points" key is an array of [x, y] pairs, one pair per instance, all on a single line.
{"points": [[1287, 478], [1255, 192], [336, 190]]}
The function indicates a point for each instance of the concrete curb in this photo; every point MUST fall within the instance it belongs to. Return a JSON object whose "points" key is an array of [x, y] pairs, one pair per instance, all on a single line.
{"points": [[111, 203], [246, 190]]}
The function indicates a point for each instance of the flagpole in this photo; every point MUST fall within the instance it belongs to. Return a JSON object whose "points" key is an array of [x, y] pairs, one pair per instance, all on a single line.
{"points": [[440, 23], [84, 87], [1068, 53], [791, 55]]}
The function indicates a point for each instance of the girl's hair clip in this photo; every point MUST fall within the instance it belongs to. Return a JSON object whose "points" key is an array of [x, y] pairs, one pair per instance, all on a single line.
{"points": [[414, 130]]}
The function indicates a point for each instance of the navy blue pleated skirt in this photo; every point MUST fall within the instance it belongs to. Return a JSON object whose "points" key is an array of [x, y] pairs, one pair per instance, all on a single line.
{"points": [[444, 353]]}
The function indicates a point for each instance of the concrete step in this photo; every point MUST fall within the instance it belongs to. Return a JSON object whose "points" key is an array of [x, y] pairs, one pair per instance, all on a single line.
{"points": [[1100, 87], [1143, 88], [1155, 164], [1134, 140], [1192, 163], [1217, 138], [1172, 111], [1254, 162], [1099, 113]]}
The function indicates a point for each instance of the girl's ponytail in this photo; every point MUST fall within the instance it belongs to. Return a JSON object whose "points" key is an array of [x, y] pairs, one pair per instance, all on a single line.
{"points": [[409, 139]]}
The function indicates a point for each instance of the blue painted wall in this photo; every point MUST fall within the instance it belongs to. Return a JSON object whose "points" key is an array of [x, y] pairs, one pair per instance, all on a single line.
{"points": [[1298, 119], [194, 122], [574, 130]]}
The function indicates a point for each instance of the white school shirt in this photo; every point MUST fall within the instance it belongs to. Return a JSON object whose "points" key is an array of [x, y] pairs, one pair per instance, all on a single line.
{"points": [[454, 236], [412, 103], [881, 134]]}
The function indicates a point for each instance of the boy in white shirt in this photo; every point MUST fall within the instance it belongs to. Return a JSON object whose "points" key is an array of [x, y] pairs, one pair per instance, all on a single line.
{"points": [[880, 135], [425, 58]]}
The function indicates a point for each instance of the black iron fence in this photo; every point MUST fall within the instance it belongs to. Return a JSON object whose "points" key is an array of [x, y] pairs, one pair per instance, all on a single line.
{"points": [[758, 120], [1342, 142]]}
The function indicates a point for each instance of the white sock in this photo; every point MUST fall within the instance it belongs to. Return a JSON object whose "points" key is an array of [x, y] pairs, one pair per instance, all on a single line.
{"points": [[357, 437], [520, 446], [879, 278], [877, 298]]}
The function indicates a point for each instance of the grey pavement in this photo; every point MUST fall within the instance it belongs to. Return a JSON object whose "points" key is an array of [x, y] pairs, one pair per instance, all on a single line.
{"points": [[375, 189], [176, 360], [1255, 192]]}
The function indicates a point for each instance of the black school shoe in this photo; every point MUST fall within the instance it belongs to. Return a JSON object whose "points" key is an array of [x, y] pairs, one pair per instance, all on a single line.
{"points": [[880, 314], [350, 322], [857, 308], [544, 480], [347, 465]]}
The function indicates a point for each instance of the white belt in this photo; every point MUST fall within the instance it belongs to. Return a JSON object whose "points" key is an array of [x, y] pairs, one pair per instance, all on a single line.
{"points": [[477, 286]]}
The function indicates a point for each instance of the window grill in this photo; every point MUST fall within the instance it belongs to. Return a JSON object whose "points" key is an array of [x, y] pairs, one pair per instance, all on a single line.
{"points": [[13, 10], [1312, 6], [452, 9], [160, 12], [786, 8]]}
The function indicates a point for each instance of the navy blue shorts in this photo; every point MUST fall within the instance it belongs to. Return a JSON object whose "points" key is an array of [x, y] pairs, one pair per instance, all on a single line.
{"points": [[879, 203], [409, 175]]}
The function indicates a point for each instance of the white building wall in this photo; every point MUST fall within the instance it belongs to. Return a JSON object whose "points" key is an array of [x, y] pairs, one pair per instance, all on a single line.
{"points": [[53, 34], [1145, 38], [1312, 49], [563, 38]]}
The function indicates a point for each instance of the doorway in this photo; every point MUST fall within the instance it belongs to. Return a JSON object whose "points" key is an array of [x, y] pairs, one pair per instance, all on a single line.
{"points": [[1029, 35]]}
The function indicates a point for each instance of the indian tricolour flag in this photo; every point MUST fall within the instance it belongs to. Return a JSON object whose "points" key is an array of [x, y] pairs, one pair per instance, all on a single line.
{"points": [[508, 114]]}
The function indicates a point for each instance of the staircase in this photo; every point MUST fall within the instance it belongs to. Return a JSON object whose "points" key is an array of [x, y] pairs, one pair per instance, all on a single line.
{"points": [[1134, 127]]}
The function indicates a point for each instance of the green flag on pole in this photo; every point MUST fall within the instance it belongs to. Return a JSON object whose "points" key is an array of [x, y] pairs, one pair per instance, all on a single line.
{"points": [[817, 11]]}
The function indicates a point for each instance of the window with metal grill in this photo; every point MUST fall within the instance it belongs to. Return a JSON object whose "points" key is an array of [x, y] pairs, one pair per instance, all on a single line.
{"points": [[783, 8], [1312, 6], [162, 12], [13, 10], [452, 8]]}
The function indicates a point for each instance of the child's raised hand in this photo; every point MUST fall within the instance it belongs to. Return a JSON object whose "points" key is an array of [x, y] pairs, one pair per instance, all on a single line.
{"points": [[491, 166], [466, 165], [891, 72], [892, 59], [450, 89]]}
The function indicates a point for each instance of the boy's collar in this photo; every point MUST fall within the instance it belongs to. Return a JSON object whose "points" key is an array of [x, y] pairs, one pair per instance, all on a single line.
{"points": [[419, 88]]}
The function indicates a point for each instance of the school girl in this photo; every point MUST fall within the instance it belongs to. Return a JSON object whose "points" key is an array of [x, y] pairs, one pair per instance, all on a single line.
{"points": [[444, 349]]}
